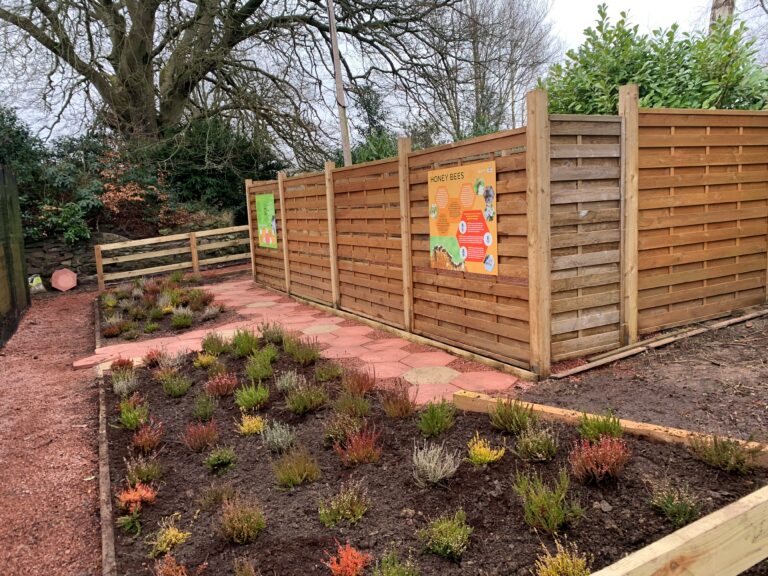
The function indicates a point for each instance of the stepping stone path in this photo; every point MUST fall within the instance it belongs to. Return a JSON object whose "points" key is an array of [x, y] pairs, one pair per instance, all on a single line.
{"points": [[429, 372]]}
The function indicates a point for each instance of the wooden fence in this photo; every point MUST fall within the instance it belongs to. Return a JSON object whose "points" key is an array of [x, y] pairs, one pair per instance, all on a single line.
{"points": [[187, 251], [609, 227], [14, 291]]}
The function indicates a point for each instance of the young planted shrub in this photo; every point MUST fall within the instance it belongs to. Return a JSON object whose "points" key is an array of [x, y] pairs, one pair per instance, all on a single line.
{"points": [[433, 463], [142, 470], [512, 416], [340, 427], [481, 453], [352, 404], [243, 567], [204, 360], [271, 332], [565, 562], [124, 382], [205, 406], [302, 350], [725, 454], [108, 300], [447, 536], [436, 418], [130, 522], [258, 368], [220, 460], [152, 357], [241, 520], [278, 437], [133, 412], [214, 344], [358, 382], [347, 561], [328, 372], [361, 447], [287, 381], [133, 497], [349, 505], [181, 319], [168, 537], [147, 438], [595, 462], [155, 315], [251, 397], [397, 400], [269, 353], [176, 385], [200, 435], [151, 327], [172, 361], [169, 566], [250, 425], [296, 467], [112, 330], [546, 508], [677, 503], [244, 343], [121, 364], [307, 398], [593, 427], [536, 444], [220, 385], [210, 312], [391, 565], [214, 495]]}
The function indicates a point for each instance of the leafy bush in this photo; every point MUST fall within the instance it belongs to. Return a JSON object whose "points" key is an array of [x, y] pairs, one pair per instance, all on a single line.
{"points": [[397, 400], [599, 461], [512, 416], [433, 463], [302, 350], [176, 385], [221, 384], [250, 425], [258, 368], [447, 536], [181, 319], [296, 467], [220, 460], [205, 406], [278, 437], [436, 418], [242, 521], [214, 344], [536, 444], [288, 381], [133, 412], [348, 561], [391, 565], [244, 343], [546, 508], [725, 454], [142, 470], [480, 452], [352, 404], [360, 447], [565, 562], [328, 372], [251, 397], [271, 332], [200, 435], [339, 427], [147, 438], [349, 505], [168, 537], [593, 427], [204, 360], [307, 398], [358, 382], [677, 503]]}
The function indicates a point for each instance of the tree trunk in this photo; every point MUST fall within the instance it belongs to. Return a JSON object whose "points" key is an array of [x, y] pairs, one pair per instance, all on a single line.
{"points": [[721, 9]]}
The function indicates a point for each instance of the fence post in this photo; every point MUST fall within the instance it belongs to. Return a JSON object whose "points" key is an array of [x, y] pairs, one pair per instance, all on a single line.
{"points": [[286, 263], [250, 227], [332, 248], [99, 267], [538, 199], [403, 149], [628, 110], [193, 252]]}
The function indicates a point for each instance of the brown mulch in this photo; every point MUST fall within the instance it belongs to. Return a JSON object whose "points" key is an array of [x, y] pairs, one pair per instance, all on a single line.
{"points": [[49, 491]]}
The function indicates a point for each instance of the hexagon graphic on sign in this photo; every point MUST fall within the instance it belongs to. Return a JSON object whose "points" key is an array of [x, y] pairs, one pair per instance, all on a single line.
{"points": [[475, 239]]}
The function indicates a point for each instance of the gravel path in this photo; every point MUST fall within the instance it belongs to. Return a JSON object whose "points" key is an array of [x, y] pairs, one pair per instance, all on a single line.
{"points": [[49, 516]]}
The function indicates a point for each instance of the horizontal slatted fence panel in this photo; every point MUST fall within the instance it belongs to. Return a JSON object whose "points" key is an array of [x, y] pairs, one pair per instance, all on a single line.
{"points": [[585, 165], [484, 314], [703, 211], [269, 266], [306, 220], [369, 248]]}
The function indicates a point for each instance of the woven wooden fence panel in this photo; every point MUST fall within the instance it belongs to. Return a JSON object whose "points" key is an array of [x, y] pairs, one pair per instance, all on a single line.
{"points": [[14, 292], [268, 263]]}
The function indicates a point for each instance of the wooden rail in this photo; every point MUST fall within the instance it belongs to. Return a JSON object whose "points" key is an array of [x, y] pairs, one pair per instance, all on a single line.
{"points": [[191, 253]]}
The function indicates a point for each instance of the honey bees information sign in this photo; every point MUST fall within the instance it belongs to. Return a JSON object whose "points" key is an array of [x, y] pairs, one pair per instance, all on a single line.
{"points": [[266, 221], [462, 219]]}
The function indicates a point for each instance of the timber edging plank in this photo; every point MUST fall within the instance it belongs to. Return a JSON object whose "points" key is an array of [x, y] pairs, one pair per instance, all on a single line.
{"points": [[108, 561]]}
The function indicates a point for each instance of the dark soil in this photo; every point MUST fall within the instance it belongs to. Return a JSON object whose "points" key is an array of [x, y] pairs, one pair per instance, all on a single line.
{"points": [[618, 516], [716, 383]]}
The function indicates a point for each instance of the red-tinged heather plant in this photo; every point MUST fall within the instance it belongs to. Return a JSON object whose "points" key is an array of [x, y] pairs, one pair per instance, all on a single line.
{"points": [[347, 561], [112, 331], [121, 364], [148, 436], [361, 447], [222, 384], [133, 401], [131, 499], [200, 435], [169, 566], [397, 400], [152, 357], [358, 382], [598, 461]]}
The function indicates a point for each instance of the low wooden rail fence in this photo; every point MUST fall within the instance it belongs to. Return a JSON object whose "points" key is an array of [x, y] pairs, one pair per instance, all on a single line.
{"points": [[176, 252]]}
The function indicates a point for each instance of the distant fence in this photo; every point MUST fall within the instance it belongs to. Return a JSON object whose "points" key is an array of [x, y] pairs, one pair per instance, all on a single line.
{"points": [[608, 227], [14, 290], [188, 251]]}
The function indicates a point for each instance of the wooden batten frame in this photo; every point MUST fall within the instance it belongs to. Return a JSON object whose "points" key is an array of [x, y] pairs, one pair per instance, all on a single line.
{"points": [[251, 237], [332, 245], [628, 110], [538, 201], [193, 252], [284, 230], [99, 267], [403, 150]]}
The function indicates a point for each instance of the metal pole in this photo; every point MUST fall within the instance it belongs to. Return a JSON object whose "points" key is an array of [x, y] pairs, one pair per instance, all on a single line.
{"points": [[340, 99]]}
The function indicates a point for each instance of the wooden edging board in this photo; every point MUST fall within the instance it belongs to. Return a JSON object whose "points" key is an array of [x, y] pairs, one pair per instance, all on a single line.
{"points": [[476, 402], [108, 561]]}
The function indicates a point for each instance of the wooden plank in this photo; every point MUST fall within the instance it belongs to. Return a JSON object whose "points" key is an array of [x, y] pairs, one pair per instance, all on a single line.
{"points": [[560, 305], [221, 231], [403, 152], [655, 281], [144, 242], [584, 321], [251, 236], [586, 127], [332, 246], [585, 150], [223, 244], [709, 179], [99, 267], [284, 230], [680, 316], [227, 258], [628, 110], [569, 239], [146, 271], [538, 202], [193, 252], [576, 195], [585, 259], [583, 345], [707, 198], [698, 141]]}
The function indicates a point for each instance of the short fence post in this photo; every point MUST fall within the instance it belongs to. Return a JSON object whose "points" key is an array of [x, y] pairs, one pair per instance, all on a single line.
{"points": [[99, 267], [193, 252], [403, 149], [286, 262], [538, 199], [332, 248], [251, 245], [628, 110]]}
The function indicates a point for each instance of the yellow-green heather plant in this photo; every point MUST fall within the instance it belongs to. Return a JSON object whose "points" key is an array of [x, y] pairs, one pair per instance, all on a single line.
{"points": [[250, 424], [565, 562], [204, 360], [168, 536], [480, 452]]}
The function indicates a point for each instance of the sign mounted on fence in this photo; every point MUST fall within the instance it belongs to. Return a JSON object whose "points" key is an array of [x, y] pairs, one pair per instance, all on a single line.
{"points": [[462, 219], [266, 221]]}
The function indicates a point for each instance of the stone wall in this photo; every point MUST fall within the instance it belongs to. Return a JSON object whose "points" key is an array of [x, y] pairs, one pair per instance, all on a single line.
{"points": [[45, 256]]}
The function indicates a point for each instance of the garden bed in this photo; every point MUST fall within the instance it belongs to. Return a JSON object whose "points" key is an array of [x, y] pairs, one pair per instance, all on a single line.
{"points": [[617, 515]]}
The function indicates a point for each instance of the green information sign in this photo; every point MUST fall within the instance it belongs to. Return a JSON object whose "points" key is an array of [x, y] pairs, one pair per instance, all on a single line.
{"points": [[265, 220]]}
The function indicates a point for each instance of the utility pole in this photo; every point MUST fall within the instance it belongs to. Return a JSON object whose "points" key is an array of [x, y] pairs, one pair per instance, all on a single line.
{"points": [[340, 99]]}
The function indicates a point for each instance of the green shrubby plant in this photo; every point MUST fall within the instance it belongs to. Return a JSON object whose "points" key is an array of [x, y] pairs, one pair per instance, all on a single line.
{"points": [[544, 507], [447, 536], [436, 418], [512, 416]]}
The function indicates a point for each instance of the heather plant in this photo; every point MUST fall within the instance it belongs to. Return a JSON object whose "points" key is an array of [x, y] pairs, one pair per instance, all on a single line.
{"points": [[347, 561], [114, 319], [251, 397], [361, 447], [447, 536], [131, 334], [358, 382], [108, 300], [565, 562], [328, 372], [204, 360], [677, 503], [250, 425], [155, 314], [512, 416], [216, 368], [296, 467], [134, 496], [169, 566], [151, 327], [200, 435], [536, 444], [172, 361], [269, 353], [391, 565], [176, 385], [258, 368], [272, 333], [214, 495], [352, 404], [723, 453], [595, 462], [121, 364], [303, 350], [204, 407], [244, 343], [307, 398], [220, 385], [349, 505], [436, 418], [133, 412], [242, 566], [141, 469], [181, 319], [288, 381], [433, 463], [339, 427], [593, 427], [481, 453], [241, 520], [148, 436], [210, 312], [397, 400], [112, 331], [544, 507], [152, 357], [220, 460], [168, 536], [124, 382], [214, 344], [278, 437]]}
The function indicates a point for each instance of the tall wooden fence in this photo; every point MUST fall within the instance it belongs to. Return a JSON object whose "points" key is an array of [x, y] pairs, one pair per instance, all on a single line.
{"points": [[14, 291], [609, 227]]}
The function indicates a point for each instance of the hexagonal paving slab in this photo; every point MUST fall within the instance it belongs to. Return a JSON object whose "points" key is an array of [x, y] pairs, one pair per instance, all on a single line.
{"points": [[384, 355], [388, 343], [420, 359], [431, 375], [320, 329], [262, 304], [434, 393], [485, 381], [384, 370], [343, 351]]}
